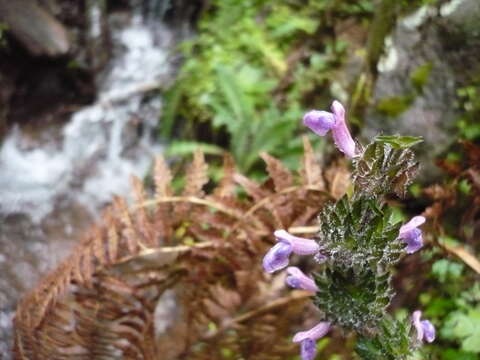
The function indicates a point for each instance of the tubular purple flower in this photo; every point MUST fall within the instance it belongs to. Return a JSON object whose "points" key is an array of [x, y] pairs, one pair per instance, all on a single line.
{"points": [[320, 122], [298, 280], [425, 329], [340, 132], [412, 235], [308, 349], [277, 257], [300, 246], [307, 339]]}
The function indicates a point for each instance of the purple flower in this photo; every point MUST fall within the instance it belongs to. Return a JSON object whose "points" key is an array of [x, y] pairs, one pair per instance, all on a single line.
{"points": [[277, 257], [298, 280], [412, 235], [308, 349], [320, 122], [425, 329], [307, 339]]}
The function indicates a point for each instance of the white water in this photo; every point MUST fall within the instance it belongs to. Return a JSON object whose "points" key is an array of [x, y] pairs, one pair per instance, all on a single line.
{"points": [[100, 140], [50, 191]]}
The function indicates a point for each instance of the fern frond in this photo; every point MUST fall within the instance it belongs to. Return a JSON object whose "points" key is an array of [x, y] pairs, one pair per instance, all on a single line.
{"points": [[100, 302], [196, 176], [226, 186], [162, 178], [282, 177]]}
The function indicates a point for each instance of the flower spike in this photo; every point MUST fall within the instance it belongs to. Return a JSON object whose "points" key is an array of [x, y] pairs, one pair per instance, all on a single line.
{"points": [[425, 329], [307, 339], [320, 122], [298, 280], [277, 257], [412, 235]]}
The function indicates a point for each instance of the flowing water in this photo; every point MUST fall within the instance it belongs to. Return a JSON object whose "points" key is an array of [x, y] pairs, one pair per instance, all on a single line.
{"points": [[50, 190]]}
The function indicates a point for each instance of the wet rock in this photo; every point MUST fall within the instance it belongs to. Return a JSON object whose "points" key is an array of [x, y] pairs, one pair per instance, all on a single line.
{"points": [[429, 54], [56, 181], [35, 28]]}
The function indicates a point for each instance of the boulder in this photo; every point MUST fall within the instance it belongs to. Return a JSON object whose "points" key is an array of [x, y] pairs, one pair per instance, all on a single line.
{"points": [[39, 32], [427, 57]]}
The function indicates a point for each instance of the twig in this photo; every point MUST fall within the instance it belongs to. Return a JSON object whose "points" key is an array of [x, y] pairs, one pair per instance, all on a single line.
{"points": [[194, 200], [236, 321], [464, 255], [166, 250], [304, 229]]}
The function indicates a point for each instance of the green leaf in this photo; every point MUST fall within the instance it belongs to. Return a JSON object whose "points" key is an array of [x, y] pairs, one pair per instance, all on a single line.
{"points": [[394, 106], [445, 270], [181, 148], [454, 354], [421, 75], [464, 327], [385, 166], [399, 142], [172, 101]]}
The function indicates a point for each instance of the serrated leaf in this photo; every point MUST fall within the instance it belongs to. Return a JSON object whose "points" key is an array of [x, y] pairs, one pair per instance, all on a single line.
{"points": [[399, 142], [383, 169]]}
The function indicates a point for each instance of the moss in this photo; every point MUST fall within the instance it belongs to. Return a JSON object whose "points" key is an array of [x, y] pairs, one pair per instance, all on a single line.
{"points": [[395, 105], [420, 76]]}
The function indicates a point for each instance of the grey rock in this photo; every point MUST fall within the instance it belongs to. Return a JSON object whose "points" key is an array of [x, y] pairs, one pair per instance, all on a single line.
{"points": [[34, 27], [428, 56]]}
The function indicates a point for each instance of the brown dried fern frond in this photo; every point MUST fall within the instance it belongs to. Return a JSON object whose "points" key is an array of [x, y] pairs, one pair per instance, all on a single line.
{"points": [[177, 276]]}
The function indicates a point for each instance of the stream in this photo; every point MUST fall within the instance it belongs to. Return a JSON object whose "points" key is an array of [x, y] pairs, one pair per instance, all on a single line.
{"points": [[54, 184]]}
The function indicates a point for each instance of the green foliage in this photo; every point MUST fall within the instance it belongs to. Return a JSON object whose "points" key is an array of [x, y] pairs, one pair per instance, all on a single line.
{"points": [[452, 354], [469, 105], [445, 270], [361, 240], [395, 105], [251, 132], [463, 323], [188, 147], [465, 327], [386, 165], [420, 76], [399, 142], [455, 305], [391, 343], [354, 299], [359, 235], [247, 73]]}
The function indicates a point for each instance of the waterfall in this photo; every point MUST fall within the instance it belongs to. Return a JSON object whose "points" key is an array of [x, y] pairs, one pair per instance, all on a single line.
{"points": [[49, 192]]}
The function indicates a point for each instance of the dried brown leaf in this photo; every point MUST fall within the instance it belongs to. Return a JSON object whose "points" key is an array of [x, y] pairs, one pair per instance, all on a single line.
{"points": [[280, 175], [196, 176], [466, 256], [251, 187], [98, 246], [226, 187], [311, 171], [338, 178], [162, 178], [473, 152]]}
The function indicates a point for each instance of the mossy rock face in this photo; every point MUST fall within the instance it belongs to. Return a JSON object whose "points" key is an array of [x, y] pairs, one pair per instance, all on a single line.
{"points": [[427, 57]]}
